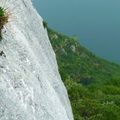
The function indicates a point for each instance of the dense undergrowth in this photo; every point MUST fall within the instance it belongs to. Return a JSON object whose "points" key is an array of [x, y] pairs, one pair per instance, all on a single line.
{"points": [[93, 83]]}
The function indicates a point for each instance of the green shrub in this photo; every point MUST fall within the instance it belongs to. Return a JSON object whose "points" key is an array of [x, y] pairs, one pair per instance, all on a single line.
{"points": [[45, 24]]}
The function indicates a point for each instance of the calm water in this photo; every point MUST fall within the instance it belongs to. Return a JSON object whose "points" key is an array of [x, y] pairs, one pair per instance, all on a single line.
{"points": [[95, 22]]}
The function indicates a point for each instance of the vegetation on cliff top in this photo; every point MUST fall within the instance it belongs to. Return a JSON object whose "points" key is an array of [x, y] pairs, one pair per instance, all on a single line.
{"points": [[93, 83]]}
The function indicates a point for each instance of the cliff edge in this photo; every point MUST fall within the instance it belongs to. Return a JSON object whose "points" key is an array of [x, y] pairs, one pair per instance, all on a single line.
{"points": [[30, 84]]}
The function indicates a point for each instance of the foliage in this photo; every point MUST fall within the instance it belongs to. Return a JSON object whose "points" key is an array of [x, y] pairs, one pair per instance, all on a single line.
{"points": [[93, 83], [3, 20], [45, 25], [2, 13]]}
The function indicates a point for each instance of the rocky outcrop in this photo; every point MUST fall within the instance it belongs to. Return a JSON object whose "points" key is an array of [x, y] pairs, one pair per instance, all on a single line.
{"points": [[30, 84]]}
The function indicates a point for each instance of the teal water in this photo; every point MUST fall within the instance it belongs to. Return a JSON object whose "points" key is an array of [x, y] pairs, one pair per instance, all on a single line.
{"points": [[95, 22]]}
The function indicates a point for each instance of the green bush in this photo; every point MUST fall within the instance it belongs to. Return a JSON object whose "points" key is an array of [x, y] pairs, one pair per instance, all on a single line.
{"points": [[45, 24]]}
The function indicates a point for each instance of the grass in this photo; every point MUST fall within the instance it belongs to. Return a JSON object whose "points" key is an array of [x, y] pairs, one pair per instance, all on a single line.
{"points": [[3, 20]]}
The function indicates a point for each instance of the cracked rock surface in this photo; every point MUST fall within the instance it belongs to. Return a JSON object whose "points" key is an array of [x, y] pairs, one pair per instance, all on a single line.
{"points": [[30, 84]]}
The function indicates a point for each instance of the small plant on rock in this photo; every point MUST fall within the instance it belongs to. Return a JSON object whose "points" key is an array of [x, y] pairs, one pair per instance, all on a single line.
{"points": [[3, 20], [45, 24]]}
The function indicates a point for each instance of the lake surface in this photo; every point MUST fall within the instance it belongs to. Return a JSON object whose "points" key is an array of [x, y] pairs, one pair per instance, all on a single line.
{"points": [[95, 22]]}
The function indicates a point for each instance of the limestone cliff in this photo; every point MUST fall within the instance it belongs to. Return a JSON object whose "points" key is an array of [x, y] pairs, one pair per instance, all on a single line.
{"points": [[30, 84]]}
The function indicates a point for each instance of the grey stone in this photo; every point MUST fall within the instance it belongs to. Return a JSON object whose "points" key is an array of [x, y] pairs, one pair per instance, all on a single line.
{"points": [[30, 85]]}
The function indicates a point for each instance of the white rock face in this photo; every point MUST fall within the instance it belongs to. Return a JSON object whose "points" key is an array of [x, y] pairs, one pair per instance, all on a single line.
{"points": [[30, 85]]}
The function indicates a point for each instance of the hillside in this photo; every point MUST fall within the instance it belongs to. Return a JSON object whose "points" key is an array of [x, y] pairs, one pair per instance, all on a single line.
{"points": [[93, 83]]}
